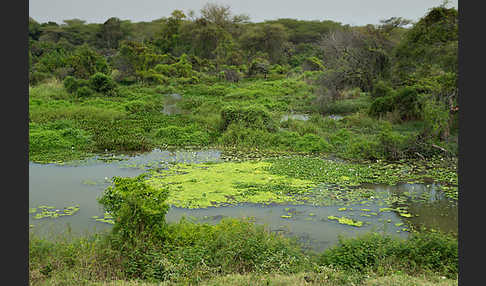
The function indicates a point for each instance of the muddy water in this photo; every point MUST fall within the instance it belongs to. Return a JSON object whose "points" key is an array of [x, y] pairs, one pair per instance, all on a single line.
{"points": [[81, 184]]}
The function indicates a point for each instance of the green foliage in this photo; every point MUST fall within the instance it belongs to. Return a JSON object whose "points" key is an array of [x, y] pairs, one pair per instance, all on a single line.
{"points": [[139, 209], [258, 66], [254, 116], [86, 62], [431, 42], [381, 89], [182, 136], [84, 91], [140, 106], [405, 101], [392, 143], [434, 252], [102, 83], [122, 135], [56, 137], [312, 64], [436, 118], [346, 106], [71, 84]]}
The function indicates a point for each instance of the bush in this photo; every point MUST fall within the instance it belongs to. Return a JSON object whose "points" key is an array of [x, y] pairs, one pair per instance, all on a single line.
{"points": [[138, 208], [37, 77], [345, 106], [259, 66], [405, 101], [424, 251], [70, 84], [102, 83], [254, 116], [393, 144], [381, 89], [84, 91], [381, 105]]}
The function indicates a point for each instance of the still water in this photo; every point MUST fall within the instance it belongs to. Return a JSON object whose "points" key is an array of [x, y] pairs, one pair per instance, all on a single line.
{"points": [[80, 184]]}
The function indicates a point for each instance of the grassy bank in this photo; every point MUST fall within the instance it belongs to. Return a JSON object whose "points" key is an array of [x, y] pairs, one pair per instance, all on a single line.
{"points": [[240, 253]]}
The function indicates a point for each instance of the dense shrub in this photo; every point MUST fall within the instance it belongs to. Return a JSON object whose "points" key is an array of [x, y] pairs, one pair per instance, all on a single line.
{"points": [[259, 66], [425, 251], [393, 144], [253, 116], [122, 135], [102, 83], [70, 84], [405, 101], [345, 106], [381, 89], [381, 105], [138, 208], [84, 91]]}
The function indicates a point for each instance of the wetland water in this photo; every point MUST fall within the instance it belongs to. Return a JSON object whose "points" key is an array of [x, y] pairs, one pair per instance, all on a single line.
{"points": [[78, 185]]}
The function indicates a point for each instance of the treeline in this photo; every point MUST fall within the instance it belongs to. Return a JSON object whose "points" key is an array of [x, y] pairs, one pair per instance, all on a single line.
{"points": [[213, 42]]}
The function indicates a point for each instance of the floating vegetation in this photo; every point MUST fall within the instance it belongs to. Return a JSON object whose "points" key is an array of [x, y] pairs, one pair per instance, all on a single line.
{"points": [[50, 211], [346, 221], [107, 218], [218, 184]]}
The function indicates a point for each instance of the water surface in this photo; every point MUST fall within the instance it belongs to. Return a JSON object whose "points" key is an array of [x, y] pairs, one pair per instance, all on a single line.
{"points": [[82, 183]]}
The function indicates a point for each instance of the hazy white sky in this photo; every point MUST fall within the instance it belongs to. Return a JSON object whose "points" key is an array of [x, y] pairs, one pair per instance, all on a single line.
{"points": [[353, 12]]}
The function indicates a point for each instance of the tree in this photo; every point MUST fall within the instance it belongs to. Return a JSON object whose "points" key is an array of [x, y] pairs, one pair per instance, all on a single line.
{"points": [[268, 38], [34, 29], [86, 62], [432, 43], [168, 39], [356, 58], [110, 34]]}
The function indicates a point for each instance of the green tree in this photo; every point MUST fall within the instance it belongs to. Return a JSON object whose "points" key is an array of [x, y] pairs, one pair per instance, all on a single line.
{"points": [[110, 34], [267, 38], [85, 62]]}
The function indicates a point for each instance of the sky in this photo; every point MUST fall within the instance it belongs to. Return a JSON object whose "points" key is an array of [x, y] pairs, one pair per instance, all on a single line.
{"points": [[352, 12]]}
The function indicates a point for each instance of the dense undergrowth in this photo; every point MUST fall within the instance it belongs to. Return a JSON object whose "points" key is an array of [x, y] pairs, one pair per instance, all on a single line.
{"points": [[248, 115]]}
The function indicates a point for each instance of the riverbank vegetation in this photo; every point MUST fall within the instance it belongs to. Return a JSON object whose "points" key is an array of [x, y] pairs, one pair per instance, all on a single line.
{"points": [[379, 100]]}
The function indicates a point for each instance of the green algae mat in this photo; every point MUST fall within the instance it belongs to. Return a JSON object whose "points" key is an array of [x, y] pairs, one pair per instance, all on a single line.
{"points": [[293, 180], [217, 184]]}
